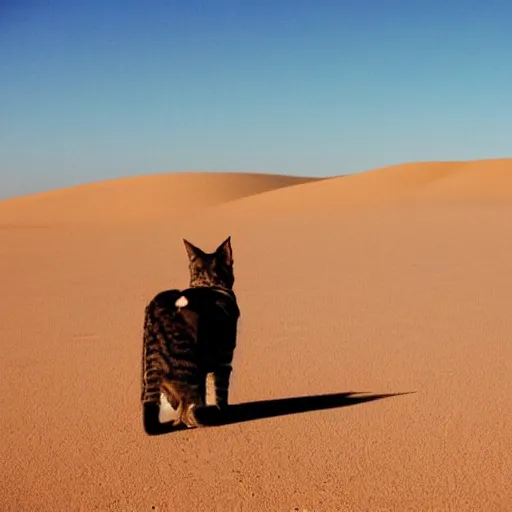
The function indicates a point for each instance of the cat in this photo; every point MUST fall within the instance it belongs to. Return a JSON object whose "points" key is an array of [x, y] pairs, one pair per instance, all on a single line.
{"points": [[189, 340]]}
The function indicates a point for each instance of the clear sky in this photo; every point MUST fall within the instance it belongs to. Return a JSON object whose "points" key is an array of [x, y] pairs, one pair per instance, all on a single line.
{"points": [[100, 89]]}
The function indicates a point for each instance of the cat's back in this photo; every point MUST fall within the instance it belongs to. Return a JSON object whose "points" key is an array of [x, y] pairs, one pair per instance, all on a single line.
{"points": [[164, 316], [211, 303], [205, 317], [165, 300]]}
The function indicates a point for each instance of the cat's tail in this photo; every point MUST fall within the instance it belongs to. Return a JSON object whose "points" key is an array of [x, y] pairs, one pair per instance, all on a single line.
{"points": [[151, 377]]}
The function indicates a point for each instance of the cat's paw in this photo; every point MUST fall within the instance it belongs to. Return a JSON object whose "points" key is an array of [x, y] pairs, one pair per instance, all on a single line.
{"points": [[208, 415], [167, 413]]}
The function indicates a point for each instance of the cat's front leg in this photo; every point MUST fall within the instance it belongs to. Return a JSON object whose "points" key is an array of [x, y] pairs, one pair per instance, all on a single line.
{"points": [[210, 390], [217, 386]]}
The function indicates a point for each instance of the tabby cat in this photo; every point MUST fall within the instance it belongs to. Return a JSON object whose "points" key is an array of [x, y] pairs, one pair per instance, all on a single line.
{"points": [[188, 344]]}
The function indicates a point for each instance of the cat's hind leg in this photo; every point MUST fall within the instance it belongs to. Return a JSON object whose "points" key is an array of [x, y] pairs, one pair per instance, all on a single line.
{"points": [[184, 398]]}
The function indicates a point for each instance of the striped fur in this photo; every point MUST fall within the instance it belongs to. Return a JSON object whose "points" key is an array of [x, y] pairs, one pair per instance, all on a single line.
{"points": [[188, 344]]}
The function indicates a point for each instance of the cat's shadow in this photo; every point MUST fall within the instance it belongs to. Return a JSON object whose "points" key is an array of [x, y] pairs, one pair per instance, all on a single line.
{"points": [[250, 411]]}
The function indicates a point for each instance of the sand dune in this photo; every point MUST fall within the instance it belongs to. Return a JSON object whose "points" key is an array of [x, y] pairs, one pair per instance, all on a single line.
{"points": [[388, 293], [139, 198], [441, 182]]}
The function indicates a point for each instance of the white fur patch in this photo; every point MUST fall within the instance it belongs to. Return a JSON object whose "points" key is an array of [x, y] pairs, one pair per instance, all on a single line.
{"points": [[167, 412], [181, 302]]}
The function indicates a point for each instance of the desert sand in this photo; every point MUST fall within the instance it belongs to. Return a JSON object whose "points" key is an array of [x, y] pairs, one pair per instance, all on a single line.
{"points": [[383, 299]]}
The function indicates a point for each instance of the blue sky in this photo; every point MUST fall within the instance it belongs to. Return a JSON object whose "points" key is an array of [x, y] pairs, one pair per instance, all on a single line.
{"points": [[93, 90]]}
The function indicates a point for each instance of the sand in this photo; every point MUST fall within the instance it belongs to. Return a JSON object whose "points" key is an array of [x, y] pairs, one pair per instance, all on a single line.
{"points": [[382, 298]]}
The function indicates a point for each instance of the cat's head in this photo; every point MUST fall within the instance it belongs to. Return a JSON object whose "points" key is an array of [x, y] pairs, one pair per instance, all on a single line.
{"points": [[211, 269]]}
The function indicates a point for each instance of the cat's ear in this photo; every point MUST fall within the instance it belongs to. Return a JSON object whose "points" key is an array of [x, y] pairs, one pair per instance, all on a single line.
{"points": [[225, 252], [192, 251]]}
